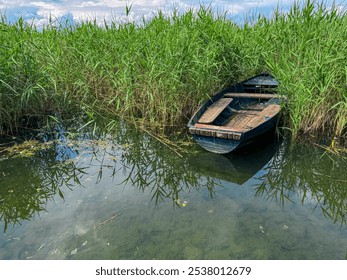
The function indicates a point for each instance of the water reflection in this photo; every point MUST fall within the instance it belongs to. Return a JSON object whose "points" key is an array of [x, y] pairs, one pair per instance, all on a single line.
{"points": [[282, 172], [151, 165], [317, 178], [28, 183], [236, 167], [132, 160]]}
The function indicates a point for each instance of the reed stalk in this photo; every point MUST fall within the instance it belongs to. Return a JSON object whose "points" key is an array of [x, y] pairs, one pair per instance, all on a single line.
{"points": [[158, 72]]}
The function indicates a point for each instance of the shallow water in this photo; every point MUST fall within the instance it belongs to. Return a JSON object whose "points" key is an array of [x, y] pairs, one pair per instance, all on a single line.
{"points": [[131, 197]]}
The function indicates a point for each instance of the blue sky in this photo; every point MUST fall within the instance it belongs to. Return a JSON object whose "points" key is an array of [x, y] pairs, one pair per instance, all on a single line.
{"points": [[79, 10]]}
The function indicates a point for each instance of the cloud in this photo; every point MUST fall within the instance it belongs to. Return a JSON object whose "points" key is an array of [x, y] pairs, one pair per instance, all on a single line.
{"points": [[10, 4], [46, 10], [100, 10], [90, 4]]}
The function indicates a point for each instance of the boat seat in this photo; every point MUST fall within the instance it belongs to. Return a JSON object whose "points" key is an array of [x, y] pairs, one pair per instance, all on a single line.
{"points": [[251, 95], [269, 112], [214, 110]]}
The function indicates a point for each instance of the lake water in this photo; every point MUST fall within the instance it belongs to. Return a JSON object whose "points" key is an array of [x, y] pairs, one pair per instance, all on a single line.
{"points": [[131, 197]]}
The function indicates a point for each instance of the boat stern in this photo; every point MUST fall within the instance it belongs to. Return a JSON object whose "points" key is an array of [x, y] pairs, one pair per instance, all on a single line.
{"points": [[216, 145]]}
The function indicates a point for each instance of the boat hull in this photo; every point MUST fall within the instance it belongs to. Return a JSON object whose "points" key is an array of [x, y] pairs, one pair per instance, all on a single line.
{"points": [[220, 139], [225, 146]]}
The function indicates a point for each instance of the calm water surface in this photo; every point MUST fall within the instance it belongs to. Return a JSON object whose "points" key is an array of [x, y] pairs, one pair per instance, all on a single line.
{"points": [[130, 197]]}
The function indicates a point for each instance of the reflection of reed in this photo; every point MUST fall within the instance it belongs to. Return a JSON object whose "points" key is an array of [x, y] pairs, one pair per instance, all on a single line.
{"points": [[151, 166], [146, 164], [40, 179], [307, 172]]}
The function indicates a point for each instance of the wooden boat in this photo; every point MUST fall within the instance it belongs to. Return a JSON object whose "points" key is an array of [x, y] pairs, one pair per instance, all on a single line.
{"points": [[237, 115]]}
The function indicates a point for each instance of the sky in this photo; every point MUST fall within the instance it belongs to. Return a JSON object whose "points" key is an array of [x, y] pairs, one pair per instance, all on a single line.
{"points": [[40, 11]]}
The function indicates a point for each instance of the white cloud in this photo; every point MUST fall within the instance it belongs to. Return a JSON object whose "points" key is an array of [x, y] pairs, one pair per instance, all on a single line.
{"points": [[39, 22], [110, 9], [47, 10], [5, 4], [89, 4], [12, 2]]}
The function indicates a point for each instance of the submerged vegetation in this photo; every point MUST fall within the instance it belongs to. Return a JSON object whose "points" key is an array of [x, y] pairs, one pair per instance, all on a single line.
{"points": [[156, 73]]}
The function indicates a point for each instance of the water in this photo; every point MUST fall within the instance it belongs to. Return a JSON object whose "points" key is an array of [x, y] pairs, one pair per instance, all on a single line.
{"points": [[130, 197]]}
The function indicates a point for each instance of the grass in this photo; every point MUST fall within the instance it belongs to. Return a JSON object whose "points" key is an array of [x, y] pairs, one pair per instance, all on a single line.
{"points": [[156, 73]]}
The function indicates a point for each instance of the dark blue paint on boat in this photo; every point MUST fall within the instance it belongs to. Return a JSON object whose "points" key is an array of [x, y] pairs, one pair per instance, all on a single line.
{"points": [[217, 137]]}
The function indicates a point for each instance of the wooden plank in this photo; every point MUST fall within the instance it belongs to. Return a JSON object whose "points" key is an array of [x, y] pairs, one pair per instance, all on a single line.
{"points": [[251, 95], [216, 127], [269, 112], [216, 133], [257, 107], [248, 112], [214, 110], [238, 121]]}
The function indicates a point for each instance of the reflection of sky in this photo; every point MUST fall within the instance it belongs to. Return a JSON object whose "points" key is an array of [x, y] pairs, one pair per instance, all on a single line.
{"points": [[77, 10]]}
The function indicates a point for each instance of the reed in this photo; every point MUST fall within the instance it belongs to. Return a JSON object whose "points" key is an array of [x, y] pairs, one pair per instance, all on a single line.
{"points": [[155, 73], [306, 51]]}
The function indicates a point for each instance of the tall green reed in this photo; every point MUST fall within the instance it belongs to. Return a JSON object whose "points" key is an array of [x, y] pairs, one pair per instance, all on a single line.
{"points": [[306, 50], [27, 88], [157, 72]]}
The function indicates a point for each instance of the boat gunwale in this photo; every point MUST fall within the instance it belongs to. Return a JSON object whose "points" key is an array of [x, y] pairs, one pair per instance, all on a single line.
{"points": [[232, 138]]}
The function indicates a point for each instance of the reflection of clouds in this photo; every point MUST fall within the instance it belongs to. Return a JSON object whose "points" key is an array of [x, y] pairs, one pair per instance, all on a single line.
{"points": [[101, 10]]}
